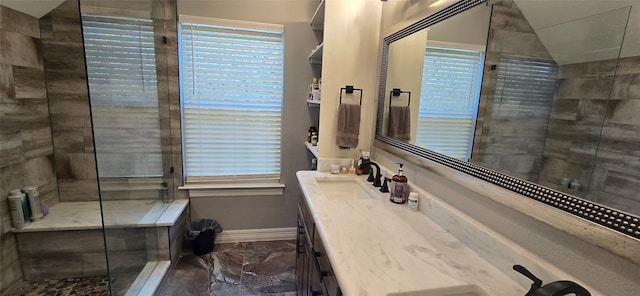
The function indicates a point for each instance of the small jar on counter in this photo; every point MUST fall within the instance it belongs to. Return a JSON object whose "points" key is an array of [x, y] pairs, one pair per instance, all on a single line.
{"points": [[412, 203]]}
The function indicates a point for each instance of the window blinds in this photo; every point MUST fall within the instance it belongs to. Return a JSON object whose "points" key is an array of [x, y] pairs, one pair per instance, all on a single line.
{"points": [[121, 69], [524, 88], [449, 97], [232, 95]]}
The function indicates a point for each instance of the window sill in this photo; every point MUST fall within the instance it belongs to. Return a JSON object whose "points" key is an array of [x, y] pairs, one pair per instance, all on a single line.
{"points": [[213, 190]]}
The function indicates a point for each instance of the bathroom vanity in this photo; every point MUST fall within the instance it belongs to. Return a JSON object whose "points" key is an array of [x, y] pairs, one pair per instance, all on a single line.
{"points": [[353, 241]]}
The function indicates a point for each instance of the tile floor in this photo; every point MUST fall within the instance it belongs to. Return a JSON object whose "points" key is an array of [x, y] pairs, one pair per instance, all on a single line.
{"points": [[239, 269]]}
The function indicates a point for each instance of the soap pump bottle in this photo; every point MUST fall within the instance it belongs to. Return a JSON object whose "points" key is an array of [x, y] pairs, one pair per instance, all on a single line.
{"points": [[399, 188]]}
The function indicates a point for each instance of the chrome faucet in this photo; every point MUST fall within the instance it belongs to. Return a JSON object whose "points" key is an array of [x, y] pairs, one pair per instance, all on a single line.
{"points": [[377, 181], [557, 288]]}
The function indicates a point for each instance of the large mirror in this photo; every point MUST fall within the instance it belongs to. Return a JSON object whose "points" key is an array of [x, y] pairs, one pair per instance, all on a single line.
{"points": [[545, 92]]}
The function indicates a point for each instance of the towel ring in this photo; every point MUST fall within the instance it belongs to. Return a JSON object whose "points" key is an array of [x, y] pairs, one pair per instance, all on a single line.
{"points": [[396, 93], [349, 90]]}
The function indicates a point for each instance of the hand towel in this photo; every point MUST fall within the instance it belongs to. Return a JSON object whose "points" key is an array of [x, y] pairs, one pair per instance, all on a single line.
{"points": [[400, 123], [348, 128]]}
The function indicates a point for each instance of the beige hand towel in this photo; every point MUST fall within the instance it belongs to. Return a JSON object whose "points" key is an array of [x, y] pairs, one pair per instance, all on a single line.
{"points": [[400, 123], [348, 125]]}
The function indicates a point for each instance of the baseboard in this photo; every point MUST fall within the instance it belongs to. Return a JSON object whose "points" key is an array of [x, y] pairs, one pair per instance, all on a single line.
{"points": [[256, 235]]}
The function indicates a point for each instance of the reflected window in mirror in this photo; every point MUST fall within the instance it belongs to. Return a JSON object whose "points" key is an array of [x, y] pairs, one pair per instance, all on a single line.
{"points": [[449, 96]]}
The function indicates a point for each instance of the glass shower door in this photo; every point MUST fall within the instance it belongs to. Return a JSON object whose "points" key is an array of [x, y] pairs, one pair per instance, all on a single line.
{"points": [[129, 110]]}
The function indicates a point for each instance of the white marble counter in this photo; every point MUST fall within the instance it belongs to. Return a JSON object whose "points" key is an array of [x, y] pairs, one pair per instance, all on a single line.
{"points": [[117, 213], [380, 248]]}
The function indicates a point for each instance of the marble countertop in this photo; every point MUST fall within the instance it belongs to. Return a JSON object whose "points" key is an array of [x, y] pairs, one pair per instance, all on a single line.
{"points": [[380, 248]]}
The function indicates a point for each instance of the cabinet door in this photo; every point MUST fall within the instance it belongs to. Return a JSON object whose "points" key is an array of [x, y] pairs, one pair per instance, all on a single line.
{"points": [[302, 260], [328, 278]]}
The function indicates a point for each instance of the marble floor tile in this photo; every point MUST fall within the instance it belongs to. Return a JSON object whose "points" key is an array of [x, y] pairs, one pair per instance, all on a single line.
{"points": [[238, 269]]}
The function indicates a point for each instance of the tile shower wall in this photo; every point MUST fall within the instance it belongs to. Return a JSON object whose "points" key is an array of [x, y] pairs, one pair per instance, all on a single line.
{"points": [[590, 96], [616, 177], [26, 149], [579, 105], [69, 103], [501, 144]]}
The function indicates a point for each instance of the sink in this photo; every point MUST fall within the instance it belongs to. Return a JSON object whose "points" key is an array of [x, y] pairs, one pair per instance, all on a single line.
{"points": [[466, 290], [347, 189]]}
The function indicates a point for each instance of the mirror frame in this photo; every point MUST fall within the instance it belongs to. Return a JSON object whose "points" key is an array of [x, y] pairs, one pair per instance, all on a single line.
{"points": [[610, 218]]}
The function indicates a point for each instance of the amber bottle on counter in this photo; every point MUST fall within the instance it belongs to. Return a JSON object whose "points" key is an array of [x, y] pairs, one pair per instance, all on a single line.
{"points": [[399, 189]]}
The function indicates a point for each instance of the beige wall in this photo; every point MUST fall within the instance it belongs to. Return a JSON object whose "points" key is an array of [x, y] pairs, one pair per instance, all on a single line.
{"points": [[350, 57], [404, 71], [256, 212]]}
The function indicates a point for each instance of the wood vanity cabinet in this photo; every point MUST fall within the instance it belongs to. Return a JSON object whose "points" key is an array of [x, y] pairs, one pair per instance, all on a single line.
{"points": [[314, 275]]}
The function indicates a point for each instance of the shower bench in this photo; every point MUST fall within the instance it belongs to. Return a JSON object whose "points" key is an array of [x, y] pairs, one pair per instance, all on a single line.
{"points": [[69, 241]]}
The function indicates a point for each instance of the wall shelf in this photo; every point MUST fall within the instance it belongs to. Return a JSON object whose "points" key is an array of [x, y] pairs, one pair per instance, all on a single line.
{"points": [[313, 104], [317, 21], [316, 55], [312, 149]]}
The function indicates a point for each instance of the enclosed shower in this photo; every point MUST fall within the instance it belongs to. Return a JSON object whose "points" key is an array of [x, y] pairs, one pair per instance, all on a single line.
{"points": [[99, 142]]}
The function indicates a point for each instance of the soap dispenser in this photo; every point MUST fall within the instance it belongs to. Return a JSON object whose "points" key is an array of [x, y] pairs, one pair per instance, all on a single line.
{"points": [[399, 189]]}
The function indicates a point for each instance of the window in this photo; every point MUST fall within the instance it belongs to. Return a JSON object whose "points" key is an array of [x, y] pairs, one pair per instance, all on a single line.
{"points": [[232, 76], [451, 81], [524, 88], [121, 69]]}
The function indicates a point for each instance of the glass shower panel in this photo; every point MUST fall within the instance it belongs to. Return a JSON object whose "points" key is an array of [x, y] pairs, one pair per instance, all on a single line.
{"points": [[587, 53], [548, 95], [126, 71]]}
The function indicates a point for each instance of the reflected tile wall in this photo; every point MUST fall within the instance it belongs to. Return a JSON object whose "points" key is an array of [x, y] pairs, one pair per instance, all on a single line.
{"points": [[616, 176], [26, 148], [512, 146], [69, 103]]}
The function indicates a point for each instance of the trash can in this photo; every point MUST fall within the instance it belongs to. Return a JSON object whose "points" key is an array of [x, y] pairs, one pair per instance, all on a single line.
{"points": [[202, 235]]}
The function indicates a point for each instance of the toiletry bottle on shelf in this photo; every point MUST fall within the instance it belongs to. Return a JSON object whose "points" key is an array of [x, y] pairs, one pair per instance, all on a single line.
{"points": [[314, 138], [399, 188], [310, 133], [312, 87]]}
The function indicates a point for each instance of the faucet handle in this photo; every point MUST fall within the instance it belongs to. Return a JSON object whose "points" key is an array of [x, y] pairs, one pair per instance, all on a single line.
{"points": [[536, 281], [370, 178]]}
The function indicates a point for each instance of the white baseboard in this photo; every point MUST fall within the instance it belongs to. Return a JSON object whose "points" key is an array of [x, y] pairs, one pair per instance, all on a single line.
{"points": [[256, 235]]}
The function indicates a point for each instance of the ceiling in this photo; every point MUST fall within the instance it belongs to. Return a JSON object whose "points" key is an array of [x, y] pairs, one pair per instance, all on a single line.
{"points": [[35, 8], [573, 31], [571, 16]]}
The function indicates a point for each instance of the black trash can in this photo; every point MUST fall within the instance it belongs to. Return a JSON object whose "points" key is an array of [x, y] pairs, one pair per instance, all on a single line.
{"points": [[202, 235]]}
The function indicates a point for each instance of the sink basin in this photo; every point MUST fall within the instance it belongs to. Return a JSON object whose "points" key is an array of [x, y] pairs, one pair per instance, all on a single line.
{"points": [[347, 189], [467, 290]]}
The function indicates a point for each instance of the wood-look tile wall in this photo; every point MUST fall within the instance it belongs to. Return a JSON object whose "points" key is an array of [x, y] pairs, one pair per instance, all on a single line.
{"points": [[579, 105], [69, 103], [26, 148], [513, 146], [594, 133], [616, 175]]}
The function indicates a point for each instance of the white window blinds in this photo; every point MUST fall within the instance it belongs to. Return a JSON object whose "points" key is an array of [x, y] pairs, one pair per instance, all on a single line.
{"points": [[121, 69], [524, 88], [232, 93], [449, 97]]}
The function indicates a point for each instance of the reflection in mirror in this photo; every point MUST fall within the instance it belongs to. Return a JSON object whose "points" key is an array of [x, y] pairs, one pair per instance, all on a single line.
{"points": [[442, 67], [543, 105], [557, 101]]}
